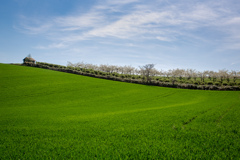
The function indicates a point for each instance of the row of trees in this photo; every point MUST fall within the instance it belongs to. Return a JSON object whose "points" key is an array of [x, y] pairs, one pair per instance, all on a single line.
{"points": [[148, 72]]}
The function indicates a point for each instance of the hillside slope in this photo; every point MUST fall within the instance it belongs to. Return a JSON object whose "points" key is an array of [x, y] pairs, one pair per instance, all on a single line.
{"points": [[48, 114]]}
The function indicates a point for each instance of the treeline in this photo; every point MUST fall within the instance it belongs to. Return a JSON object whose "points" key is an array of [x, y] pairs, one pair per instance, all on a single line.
{"points": [[147, 74]]}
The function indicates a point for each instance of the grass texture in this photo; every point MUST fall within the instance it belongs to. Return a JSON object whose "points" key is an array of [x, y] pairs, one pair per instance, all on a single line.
{"points": [[46, 114]]}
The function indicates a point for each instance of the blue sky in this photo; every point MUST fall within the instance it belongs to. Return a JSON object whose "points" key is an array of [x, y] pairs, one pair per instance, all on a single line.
{"points": [[196, 34]]}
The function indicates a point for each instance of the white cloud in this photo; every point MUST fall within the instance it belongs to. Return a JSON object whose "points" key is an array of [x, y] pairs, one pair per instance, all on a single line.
{"points": [[32, 25], [150, 21], [234, 23], [51, 46], [121, 2], [235, 63], [79, 22], [164, 39]]}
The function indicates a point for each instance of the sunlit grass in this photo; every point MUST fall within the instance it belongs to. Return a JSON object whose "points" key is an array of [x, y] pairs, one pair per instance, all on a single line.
{"points": [[52, 115]]}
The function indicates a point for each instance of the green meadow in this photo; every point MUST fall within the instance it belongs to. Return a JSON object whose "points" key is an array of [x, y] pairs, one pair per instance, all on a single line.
{"points": [[46, 114]]}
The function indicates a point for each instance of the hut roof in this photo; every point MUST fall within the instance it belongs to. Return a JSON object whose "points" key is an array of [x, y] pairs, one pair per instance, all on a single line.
{"points": [[29, 59]]}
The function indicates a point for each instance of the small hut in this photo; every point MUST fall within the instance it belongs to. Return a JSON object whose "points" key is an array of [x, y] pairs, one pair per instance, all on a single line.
{"points": [[29, 60]]}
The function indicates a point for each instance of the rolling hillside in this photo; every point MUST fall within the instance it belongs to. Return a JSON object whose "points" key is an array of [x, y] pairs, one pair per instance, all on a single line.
{"points": [[47, 114]]}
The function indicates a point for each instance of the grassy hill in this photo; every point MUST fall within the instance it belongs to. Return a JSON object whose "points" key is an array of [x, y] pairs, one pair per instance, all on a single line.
{"points": [[46, 114]]}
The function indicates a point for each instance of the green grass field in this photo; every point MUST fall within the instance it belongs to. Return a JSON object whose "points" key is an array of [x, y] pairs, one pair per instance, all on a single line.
{"points": [[46, 114]]}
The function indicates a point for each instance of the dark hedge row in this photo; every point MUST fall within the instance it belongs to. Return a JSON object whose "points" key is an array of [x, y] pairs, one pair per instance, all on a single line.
{"points": [[132, 78]]}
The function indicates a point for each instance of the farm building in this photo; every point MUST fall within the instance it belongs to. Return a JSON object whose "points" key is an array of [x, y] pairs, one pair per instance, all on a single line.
{"points": [[29, 59]]}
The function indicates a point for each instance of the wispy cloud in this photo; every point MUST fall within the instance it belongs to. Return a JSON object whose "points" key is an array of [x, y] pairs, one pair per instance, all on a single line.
{"points": [[120, 2], [52, 46], [79, 22], [133, 20], [30, 25]]}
